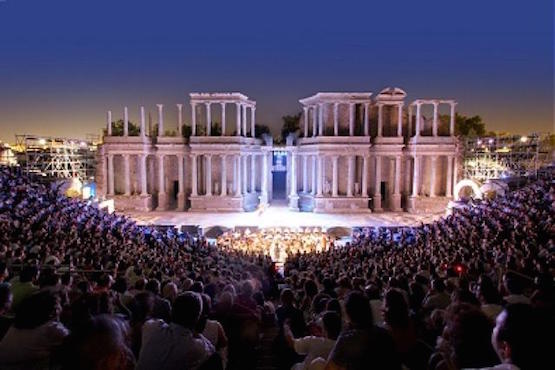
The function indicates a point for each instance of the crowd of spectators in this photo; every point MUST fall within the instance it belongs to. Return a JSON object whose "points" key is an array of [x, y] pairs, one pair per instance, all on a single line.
{"points": [[84, 289]]}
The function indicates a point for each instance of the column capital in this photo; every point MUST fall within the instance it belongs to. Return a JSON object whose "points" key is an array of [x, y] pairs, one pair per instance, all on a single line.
{"points": [[223, 103], [160, 106], [435, 103], [179, 105]]}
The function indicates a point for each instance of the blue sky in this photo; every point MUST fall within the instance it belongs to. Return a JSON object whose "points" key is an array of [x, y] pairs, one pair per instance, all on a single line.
{"points": [[64, 63]]}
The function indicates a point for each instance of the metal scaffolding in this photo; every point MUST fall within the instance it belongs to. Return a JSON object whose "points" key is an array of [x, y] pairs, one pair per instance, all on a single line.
{"points": [[505, 156], [57, 156]]}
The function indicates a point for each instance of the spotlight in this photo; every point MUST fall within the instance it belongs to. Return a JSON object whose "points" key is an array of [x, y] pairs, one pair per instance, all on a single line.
{"points": [[524, 139], [42, 141]]}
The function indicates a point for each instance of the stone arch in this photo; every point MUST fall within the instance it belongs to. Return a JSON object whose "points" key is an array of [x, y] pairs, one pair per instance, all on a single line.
{"points": [[467, 183]]}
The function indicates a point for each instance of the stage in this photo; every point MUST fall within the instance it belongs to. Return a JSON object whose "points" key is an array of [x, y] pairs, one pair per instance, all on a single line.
{"points": [[280, 216]]}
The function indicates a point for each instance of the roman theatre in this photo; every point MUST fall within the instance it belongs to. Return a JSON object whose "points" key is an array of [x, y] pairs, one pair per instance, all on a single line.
{"points": [[357, 158]]}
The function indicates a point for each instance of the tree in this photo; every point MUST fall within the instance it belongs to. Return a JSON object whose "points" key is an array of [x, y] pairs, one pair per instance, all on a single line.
{"points": [[261, 129], [290, 124], [469, 126], [117, 129]]}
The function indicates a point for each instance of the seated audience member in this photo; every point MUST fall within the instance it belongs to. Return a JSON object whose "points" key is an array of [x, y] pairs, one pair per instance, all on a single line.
{"points": [[489, 298], [35, 333], [362, 345], [436, 297], [24, 285], [212, 329], [466, 340], [514, 289], [175, 345], [316, 349], [97, 344], [5, 305], [522, 338]]}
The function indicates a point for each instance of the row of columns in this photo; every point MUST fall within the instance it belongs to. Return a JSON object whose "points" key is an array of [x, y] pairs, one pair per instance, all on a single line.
{"points": [[241, 119], [317, 111], [435, 117], [240, 182], [142, 120], [450, 176]]}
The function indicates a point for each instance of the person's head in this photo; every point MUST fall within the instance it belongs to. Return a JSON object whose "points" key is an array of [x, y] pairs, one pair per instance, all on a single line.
{"points": [[29, 273], [358, 310], [287, 297], [6, 298], [396, 309], [153, 286], [206, 309], [3, 271], [517, 336], [247, 289], [512, 283], [310, 288], [332, 324], [37, 310], [468, 332], [169, 291], [438, 285], [187, 308], [97, 344]]}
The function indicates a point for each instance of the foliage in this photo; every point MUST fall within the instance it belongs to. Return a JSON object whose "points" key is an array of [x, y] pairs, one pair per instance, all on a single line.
{"points": [[290, 124], [117, 129], [469, 126], [261, 129]]}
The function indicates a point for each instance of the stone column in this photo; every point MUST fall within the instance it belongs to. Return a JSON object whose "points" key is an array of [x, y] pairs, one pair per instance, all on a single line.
{"points": [[244, 169], [245, 120], [335, 119], [321, 119], [400, 120], [194, 176], [179, 118], [293, 197], [264, 186], [126, 175], [449, 180], [160, 119], [380, 120], [253, 122], [396, 196], [223, 118], [143, 120], [305, 116], [305, 174], [350, 175], [238, 176], [335, 177], [238, 118], [313, 168], [377, 185], [110, 174], [193, 119], [253, 173], [410, 121], [434, 127], [314, 120], [142, 167], [234, 173], [109, 123], [208, 175], [452, 120], [320, 176], [351, 119], [224, 176], [433, 167], [455, 170], [125, 121], [162, 197], [416, 177], [366, 125], [364, 186], [180, 183], [208, 119], [417, 124]]}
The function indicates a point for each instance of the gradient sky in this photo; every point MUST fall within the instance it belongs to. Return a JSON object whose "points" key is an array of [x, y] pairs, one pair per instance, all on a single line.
{"points": [[63, 63]]}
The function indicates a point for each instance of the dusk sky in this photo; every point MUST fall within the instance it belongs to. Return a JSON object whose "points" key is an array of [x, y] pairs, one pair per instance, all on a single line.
{"points": [[64, 63]]}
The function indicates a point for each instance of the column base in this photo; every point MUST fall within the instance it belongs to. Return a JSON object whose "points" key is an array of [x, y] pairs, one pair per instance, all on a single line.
{"points": [[411, 204], [395, 205], [377, 200], [294, 202], [264, 199], [162, 202], [180, 201]]}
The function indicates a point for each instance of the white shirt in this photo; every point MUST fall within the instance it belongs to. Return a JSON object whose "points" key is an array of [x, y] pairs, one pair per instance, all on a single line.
{"points": [[171, 346], [312, 347]]}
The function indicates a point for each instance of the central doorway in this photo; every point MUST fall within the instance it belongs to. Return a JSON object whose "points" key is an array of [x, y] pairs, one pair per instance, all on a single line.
{"points": [[279, 175]]}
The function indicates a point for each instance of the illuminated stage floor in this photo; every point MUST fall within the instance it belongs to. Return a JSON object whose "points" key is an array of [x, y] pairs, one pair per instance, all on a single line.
{"points": [[280, 216]]}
